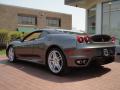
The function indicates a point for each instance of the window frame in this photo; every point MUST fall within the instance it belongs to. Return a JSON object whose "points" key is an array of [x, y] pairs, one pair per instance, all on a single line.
{"points": [[24, 19], [41, 31], [56, 22], [30, 35]]}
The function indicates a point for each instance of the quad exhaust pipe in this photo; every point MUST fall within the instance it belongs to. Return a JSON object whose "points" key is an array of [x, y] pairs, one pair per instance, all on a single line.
{"points": [[81, 61]]}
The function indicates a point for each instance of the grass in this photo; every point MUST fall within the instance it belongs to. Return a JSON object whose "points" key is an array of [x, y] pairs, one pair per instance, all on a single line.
{"points": [[2, 52]]}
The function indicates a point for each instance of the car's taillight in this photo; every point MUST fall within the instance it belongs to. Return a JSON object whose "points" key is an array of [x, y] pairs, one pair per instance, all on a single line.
{"points": [[87, 39], [113, 39], [82, 39]]}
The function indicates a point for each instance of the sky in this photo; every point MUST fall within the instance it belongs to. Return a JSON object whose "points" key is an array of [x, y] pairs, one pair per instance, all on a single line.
{"points": [[78, 14]]}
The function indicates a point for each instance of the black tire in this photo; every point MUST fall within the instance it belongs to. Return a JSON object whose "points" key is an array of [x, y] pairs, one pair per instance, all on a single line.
{"points": [[13, 59], [64, 68]]}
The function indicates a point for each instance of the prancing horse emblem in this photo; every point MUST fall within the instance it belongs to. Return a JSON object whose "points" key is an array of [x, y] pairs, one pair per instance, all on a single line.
{"points": [[102, 40]]}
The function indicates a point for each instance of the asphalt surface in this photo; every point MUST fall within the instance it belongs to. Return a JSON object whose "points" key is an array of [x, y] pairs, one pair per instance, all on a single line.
{"points": [[29, 76]]}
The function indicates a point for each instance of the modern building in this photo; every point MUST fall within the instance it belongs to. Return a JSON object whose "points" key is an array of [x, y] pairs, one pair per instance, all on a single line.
{"points": [[102, 16], [25, 19]]}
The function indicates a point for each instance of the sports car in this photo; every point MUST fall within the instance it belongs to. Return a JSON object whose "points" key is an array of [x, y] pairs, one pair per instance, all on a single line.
{"points": [[61, 49]]}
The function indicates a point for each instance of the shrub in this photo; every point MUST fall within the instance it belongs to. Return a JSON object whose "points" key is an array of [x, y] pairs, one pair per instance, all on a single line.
{"points": [[3, 38], [8, 36], [13, 35]]}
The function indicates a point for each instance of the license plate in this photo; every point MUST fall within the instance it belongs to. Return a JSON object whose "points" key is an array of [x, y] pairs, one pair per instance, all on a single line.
{"points": [[106, 52]]}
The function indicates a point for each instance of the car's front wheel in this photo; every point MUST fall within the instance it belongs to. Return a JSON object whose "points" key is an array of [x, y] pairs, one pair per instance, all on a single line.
{"points": [[11, 54], [56, 61]]}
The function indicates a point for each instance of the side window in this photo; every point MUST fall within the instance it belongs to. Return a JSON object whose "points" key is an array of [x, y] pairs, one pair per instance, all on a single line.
{"points": [[44, 33], [33, 36]]}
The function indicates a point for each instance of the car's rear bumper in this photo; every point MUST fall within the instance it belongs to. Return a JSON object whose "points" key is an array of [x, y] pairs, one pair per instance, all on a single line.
{"points": [[85, 56]]}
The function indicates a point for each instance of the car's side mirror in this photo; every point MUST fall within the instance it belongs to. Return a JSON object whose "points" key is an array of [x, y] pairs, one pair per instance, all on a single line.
{"points": [[17, 39], [24, 40]]}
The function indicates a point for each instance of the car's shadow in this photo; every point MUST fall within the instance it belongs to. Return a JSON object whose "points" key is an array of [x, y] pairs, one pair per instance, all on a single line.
{"points": [[43, 73]]}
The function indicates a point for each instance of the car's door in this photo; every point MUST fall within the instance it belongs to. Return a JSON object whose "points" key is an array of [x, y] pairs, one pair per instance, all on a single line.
{"points": [[39, 45], [25, 49]]}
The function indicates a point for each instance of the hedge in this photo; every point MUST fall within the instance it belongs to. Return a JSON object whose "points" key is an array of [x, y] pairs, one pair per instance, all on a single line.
{"points": [[8, 36], [3, 38], [14, 35]]}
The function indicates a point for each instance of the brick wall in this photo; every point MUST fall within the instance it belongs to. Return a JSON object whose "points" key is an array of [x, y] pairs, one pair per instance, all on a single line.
{"points": [[8, 17]]}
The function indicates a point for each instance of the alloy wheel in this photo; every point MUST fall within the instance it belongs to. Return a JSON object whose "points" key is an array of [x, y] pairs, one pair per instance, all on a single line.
{"points": [[11, 54], [55, 61]]}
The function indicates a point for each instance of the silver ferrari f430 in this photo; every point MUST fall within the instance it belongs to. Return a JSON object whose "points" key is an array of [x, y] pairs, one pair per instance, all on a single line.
{"points": [[60, 49]]}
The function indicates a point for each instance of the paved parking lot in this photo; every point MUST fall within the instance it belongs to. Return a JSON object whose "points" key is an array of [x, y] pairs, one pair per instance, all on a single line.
{"points": [[28, 76]]}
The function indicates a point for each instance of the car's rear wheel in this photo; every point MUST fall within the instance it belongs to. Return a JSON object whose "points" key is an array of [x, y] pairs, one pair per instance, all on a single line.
{"points": [[56, 61], [11, 54]]}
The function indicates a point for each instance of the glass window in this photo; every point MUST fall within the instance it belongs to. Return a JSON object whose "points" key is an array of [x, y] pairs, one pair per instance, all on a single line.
{"points": [[106, 25], [27, 20], [111, 6], [115, 24], [92, 20], [44, 33], [111, 20], [33, 36], [53, 22]]}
